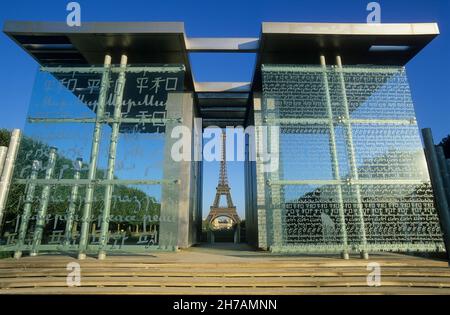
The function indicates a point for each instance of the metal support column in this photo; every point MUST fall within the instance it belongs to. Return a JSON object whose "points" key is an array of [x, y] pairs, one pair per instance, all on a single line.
{"points": [[263, 239], [3, 151], [438, 187], [72, 203], [352, 160], [444, 171], [86, 218], [36, 166], [237, 234], [42, 211], [118, 97], [276, 200], [8, 169], [448, 165], [334, 159]]}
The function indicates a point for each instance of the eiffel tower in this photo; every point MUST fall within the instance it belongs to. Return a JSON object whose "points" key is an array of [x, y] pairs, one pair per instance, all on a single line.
{"points": [[223, 189]]}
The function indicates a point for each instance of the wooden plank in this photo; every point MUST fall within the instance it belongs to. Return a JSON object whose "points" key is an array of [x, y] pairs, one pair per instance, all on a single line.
{"points": [[231, 291], [226, 282], [200, 273], [282, 272], [188, 254], [221, 257], [246, 264]]}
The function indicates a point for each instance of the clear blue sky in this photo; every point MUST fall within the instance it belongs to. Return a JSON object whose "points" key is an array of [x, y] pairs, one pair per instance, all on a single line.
{"points": [[428, 72]]}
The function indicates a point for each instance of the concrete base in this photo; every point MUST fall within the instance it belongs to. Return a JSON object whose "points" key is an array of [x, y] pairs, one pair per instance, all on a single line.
{"points": [[81, 256], [102, 255], [364, 255], [345, 255], [18, 255], [33, 254]]}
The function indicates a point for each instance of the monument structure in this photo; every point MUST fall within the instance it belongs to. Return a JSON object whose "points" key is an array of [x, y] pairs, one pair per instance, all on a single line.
{"points": [[223, 189], [330, 104]]}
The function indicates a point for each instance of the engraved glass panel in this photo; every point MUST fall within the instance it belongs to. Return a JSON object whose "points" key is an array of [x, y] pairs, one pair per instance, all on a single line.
{"points": [[62, 116], [352, 173]]}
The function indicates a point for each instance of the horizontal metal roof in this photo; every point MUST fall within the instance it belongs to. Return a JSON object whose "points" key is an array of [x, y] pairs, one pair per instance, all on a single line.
{"points": [[55, 43]]}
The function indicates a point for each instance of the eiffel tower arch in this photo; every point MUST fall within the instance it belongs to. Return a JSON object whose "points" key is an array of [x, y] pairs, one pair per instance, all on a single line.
{"points": [[223, 189]]}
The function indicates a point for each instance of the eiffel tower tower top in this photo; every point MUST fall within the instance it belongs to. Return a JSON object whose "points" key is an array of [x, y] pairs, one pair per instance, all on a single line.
{"points": [[223, 189], [223, 177]]}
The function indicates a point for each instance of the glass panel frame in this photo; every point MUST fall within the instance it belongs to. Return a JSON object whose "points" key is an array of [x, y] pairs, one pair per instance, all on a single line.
{"points": [[373, 150], [67, 123]]}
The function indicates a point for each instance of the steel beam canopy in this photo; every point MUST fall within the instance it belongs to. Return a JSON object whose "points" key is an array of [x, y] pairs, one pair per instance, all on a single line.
{"points": [[55, 43]]}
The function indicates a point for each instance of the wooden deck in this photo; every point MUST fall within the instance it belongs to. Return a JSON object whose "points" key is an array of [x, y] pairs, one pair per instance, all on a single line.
{"points": [[198, 271]]}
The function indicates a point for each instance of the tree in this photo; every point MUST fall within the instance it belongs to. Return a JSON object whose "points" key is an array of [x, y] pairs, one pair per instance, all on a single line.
{"points": [[4, 137], [128, 201], [445, 143]]}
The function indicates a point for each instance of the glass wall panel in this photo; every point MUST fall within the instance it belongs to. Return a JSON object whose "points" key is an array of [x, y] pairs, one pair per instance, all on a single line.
{"points": [[135, 160], [311, 216], [66, 92], [72, 112], [352, 174], [396, 217], [308, 146], [389, 152], [372, 93], [134, 222]]}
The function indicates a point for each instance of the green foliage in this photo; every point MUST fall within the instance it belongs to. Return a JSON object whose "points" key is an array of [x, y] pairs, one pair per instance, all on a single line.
{"points": [[127, 201], [4, 255], [4, 137]]}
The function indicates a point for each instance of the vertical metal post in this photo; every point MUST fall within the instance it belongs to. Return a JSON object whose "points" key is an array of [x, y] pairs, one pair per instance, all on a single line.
{"points": [[86, 218], [274, 191], [118, 97], [36, 166], [42, 211], [263, 240], [444, 171], [438, 187], [448, 165], [237, 233], [447, 162], [8, 169], [334, 159], [352, 159], [208, 235], [3, 151], [72, 203]]}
